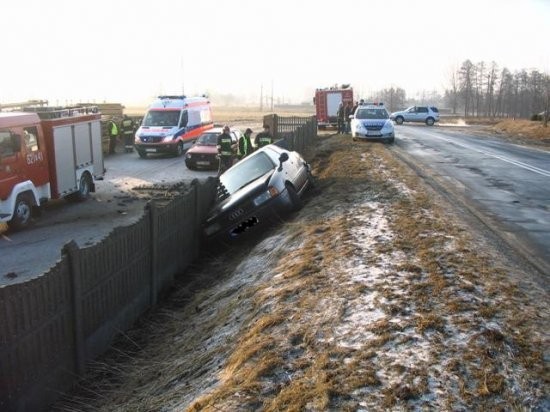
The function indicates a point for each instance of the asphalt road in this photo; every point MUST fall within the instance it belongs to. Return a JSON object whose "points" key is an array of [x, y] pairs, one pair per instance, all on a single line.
{"points": [[506, 185], [33, 251]]}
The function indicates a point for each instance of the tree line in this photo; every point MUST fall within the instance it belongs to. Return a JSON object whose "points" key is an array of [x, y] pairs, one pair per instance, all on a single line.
{"points": [[484, 89]]}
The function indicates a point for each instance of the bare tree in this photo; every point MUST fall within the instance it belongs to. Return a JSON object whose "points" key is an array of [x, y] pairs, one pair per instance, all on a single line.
{"points": [[466, 79]]}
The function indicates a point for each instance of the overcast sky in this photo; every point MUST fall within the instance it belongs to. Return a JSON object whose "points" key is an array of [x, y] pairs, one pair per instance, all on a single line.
{"points": [[130, 51]]}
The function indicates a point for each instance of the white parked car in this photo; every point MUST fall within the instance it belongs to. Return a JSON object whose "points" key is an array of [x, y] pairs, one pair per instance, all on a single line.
{"points": [[419, 114], [372, 121]]}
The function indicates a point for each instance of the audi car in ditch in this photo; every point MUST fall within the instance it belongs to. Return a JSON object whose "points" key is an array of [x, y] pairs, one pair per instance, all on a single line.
{"points": [[269, 183]]}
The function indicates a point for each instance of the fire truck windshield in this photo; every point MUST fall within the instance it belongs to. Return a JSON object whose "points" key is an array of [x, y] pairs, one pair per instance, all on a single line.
{"points": [[162, 118]]}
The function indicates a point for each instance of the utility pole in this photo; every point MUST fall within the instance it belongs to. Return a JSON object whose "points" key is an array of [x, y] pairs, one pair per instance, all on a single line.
{"points": [[182, 76], [271, 95], [262, 98]]}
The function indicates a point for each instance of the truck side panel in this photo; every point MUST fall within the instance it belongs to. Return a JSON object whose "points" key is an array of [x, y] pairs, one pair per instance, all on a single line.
{"points": [[97, 153], [65, 154], [333, 101], [83, 145]]}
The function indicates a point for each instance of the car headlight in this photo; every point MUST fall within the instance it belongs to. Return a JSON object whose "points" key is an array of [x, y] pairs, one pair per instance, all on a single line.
{"points": [[358, 126], [168, 138], [265, 196], [388, 127], [188, 155]]}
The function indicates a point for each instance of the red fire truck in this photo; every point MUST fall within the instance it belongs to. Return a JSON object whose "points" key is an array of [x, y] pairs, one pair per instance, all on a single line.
{"points": [[327, 101], [47, 154]]}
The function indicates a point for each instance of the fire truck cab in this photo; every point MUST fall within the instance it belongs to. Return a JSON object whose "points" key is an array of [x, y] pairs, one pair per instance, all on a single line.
{"points": [[327, 102]]}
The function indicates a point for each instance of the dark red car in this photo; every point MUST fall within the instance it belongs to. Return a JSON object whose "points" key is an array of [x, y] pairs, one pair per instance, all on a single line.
{"points": [[203, 154]]}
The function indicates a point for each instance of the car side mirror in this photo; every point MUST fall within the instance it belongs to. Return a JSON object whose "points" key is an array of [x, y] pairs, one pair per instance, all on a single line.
{"points": [[282, 158], [351, 116]]}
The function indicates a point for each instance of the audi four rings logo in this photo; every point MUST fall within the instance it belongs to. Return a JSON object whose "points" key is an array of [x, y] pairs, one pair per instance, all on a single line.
{"points": [[234, 215]]}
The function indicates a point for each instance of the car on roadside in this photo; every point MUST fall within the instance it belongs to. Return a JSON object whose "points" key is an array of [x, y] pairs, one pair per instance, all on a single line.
{"points": [[204, 152], [372, 121], [265, 185], [417, 114]]}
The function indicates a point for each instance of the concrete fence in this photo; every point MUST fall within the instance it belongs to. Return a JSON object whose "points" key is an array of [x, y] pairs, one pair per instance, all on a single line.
{"points": [[51, 326]]}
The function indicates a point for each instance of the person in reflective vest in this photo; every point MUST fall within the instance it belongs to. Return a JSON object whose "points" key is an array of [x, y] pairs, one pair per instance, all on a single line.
{"points": [[112, 128], [245, 145], [128, 133], [225, 150], [263, 138]]}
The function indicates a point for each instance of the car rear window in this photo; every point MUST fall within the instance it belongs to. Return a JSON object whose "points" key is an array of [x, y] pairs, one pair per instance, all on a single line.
{"points": [[434, 109]]}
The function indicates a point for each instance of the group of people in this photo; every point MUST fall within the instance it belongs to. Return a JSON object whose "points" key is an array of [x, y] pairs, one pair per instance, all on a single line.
{"points": [[343, 114], [227, 152], [126, 129]]}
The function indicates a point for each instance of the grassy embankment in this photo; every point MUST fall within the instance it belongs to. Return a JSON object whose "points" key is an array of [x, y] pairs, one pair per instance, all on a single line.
{"points": [[374, 296]]}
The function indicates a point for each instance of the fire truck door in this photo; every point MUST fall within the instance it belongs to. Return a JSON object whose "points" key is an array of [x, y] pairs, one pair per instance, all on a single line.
{"points": [[34, 157], [10, 167]]}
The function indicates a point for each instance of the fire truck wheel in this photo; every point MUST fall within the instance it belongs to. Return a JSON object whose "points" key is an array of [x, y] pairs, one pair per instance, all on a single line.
{"points": [[22, 213], [84, 188]]}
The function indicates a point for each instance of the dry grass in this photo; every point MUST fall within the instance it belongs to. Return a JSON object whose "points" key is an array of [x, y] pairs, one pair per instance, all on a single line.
{"points": [[371, 298], [524, 129]]}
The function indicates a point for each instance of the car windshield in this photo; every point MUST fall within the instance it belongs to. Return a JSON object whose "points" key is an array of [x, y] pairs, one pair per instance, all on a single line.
{"points": [[208, 139], [162, 118], [246, 171], [371, 114]]}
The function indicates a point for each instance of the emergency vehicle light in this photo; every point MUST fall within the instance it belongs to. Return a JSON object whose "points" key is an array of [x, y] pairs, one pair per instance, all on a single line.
{"points": [[172, 97]]}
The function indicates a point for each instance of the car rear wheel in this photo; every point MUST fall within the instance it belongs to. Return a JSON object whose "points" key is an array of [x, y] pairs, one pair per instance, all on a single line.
{"points": [[22, 212], [295, 200], [399, 120], [430, 121]]}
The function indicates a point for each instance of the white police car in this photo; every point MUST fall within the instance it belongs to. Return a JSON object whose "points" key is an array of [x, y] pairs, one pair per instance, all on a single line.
{"points": [[372, 121]]}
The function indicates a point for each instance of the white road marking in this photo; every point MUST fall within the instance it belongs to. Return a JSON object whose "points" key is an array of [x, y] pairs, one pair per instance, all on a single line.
{"points": [[503, 158]]}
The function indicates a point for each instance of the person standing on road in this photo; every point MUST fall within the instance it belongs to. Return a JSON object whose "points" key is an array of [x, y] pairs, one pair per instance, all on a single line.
{"points": [[263, 138], [128, 133], [355, 106], [112, 128], [340, 118], [225, 150], [347, 113], [245, 145]]}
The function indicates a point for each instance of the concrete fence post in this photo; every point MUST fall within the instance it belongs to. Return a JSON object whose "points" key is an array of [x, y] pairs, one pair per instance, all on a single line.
{"points": [[153, 220], [72, 251]]}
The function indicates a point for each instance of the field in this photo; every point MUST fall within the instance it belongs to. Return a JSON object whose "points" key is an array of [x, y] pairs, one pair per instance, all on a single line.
{"points": [[372, 297]]}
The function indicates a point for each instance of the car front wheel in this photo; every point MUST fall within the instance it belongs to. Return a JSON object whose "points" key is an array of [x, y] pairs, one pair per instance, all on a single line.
{"points": [[179, 149], [399, 120]]}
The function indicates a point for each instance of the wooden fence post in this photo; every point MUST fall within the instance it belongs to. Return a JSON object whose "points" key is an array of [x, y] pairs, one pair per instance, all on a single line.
{"points": [[72, 251], [153, 220]]}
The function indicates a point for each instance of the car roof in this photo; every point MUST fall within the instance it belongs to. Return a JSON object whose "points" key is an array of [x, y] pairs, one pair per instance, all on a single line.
{"points": [[219, 130]]}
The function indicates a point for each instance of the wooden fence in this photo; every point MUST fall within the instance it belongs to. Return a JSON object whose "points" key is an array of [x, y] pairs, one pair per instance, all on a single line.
{"points": [[52, 325]]}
